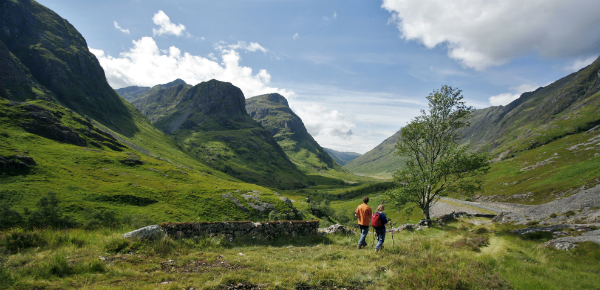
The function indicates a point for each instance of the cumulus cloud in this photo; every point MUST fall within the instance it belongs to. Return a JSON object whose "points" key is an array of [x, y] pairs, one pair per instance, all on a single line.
{"points": [[323, 123], [242, 45], [506, 98], [147, 65], [126, 31], [296, 36], [580, 63], [165, 26], [480, 34]]}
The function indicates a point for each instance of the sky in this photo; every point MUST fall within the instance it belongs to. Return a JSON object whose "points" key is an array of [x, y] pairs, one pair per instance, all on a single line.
{"points": [[354, 71]]}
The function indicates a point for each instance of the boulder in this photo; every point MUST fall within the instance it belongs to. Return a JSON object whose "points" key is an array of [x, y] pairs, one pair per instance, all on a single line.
{"points": [[149, 232]]}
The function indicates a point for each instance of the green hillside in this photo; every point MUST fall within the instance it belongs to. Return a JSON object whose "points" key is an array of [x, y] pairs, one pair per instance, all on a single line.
{"points": [[77, 137], [274, 114], [90, 170], [210, 122], [379, 161], [341, 157]]}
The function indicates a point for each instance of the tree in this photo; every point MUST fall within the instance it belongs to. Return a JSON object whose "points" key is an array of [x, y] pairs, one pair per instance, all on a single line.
{"points": [[435, 164]]}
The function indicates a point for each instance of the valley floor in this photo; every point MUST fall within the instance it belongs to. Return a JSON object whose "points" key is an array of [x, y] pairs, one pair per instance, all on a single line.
{"points": [[460, 255]]}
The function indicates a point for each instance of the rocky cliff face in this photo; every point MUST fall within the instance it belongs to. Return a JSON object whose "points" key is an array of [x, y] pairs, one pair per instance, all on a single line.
{"points": [[274, 114], [42, 56]]}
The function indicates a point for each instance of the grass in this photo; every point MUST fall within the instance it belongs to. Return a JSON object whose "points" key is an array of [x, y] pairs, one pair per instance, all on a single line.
{"points": [[458, 256]]}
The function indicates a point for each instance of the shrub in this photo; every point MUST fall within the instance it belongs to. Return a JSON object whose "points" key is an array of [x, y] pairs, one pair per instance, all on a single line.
{"points": [[49, 214], [117, 245], [9, 218], [473, 244], [532, 223], [102, 218], [59, 266], [553, 215], [18, 239], [570, 213]]}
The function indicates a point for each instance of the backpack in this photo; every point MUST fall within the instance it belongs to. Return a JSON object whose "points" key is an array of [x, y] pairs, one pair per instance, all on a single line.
{"points": [[376, 220]]}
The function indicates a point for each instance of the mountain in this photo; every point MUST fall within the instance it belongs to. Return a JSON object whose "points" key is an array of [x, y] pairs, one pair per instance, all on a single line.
{"points": [[274, 114], [54, 64], [342, 157], [64, 129], [544, 145], [379, 160], [133, 93], [210, 121]]}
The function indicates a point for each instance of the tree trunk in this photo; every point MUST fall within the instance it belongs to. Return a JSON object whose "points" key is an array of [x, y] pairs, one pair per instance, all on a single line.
{"points": [[426, 211]]}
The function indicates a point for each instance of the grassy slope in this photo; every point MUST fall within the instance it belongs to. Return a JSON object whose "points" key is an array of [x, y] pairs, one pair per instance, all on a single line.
{"points": [[379, 162], [171, 186], [274, 114], [431, 259]]}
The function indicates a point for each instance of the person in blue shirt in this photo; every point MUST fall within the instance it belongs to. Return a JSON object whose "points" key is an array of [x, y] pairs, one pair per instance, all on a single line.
{"points": [[380, 231]]}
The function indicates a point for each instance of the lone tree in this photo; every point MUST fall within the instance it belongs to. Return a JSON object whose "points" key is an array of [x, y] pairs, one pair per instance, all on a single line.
{"points": [[435, 164]]}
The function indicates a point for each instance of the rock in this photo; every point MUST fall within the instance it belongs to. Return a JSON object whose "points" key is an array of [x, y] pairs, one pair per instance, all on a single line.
{"points": [[424, 223], [338, 229], [566, 243], [149, 232]]}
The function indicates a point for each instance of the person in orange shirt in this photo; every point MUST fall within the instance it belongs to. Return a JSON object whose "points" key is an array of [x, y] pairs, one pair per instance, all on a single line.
{"points": [[363, 213]]}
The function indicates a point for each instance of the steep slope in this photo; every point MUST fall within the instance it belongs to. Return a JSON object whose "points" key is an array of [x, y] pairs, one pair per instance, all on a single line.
{"points": [[63, 129], [56, 57], [274, 114], [341, 157], [379, 160], [129, 93], [209, 120], [567, 106]]}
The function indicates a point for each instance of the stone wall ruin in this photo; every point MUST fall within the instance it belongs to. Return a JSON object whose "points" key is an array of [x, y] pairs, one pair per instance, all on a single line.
{"points": [[233, 230]]}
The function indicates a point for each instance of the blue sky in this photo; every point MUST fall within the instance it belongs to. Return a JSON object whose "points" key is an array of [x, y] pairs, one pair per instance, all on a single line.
{"points": [[354, 71]]}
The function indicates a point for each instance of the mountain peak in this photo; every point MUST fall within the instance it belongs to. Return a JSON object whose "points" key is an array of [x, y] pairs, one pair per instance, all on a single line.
{"points": [[273, 98], [174, 83], [217, 98]]}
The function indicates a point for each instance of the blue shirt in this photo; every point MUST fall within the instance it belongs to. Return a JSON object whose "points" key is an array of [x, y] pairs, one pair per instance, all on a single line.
{"points": [[383, 221]]}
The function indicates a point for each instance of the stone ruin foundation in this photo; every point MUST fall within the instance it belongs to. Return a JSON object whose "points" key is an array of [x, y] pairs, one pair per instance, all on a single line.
{"points": [[231, 230]]}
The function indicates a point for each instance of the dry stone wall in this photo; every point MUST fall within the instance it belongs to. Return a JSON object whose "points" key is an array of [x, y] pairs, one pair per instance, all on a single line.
{"points": [[238, 229]]}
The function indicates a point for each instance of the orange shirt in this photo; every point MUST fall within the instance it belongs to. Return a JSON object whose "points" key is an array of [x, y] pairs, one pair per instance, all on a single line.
{"points": [[364, 213]]}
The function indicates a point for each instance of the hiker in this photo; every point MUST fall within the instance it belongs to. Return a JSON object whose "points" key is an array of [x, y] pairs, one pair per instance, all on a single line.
{"points": [[363, 213], [378, 221]]}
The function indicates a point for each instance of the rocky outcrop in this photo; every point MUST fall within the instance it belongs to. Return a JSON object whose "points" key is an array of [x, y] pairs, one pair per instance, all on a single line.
{"points": [[273, 113], [145, 233], [16, 163], [48, 123], [567, 243]]}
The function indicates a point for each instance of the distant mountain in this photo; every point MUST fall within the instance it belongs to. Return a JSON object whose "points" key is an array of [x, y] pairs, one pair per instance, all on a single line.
{"points": [[342, 157], [274, 114], [128, 93], [379, 160], [133, 93], [210, 121]]}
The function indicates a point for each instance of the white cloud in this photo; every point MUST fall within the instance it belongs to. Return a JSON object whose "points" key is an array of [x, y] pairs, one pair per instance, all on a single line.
{"points": [[165, 26], [334, 15], [126, 31], [253, 46], [481, 34], [580, 63], [507, 98], [323, 123], [146, 65], [296, 36]]}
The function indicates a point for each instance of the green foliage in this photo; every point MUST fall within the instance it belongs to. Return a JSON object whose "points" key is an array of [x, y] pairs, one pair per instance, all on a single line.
{"points": [[436, 164], [17, 240], [9, 218], [49, 213], [102, 218]]}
